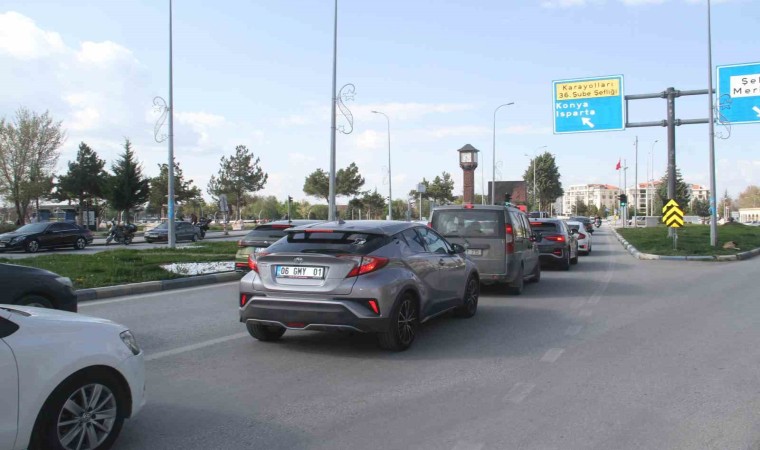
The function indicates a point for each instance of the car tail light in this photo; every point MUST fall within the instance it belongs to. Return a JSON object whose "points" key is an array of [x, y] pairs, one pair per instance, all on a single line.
{"points": [[430, 224], [243, 299], [555, 238], [252, 264], [510, 239], [365, 264], [581, 236], [536, 224], [281, 227], [374, 306], [468, 206]]}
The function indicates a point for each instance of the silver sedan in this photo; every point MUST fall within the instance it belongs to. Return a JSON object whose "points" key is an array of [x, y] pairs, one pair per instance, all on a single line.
{"points": [[381, 277]]}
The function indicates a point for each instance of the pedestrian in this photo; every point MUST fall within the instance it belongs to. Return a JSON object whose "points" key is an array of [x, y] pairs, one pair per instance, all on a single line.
{"points": [[193, 218]]}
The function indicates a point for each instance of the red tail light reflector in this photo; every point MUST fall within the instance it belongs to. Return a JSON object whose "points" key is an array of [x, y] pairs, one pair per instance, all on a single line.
{"points": [[365, 264], [555, 238], [374, 306], [243, 299], [510, 237]]}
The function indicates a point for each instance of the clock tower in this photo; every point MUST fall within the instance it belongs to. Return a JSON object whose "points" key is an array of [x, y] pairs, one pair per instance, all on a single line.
{"points": [[468, 161]]}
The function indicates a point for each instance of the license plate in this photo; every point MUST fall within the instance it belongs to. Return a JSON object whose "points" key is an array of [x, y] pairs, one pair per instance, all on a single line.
{"points": [[475, 252], [306, 272]]}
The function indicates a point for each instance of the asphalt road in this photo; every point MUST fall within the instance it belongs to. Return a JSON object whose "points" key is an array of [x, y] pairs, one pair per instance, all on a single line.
{"points": [[139, 243], [615, 354]]}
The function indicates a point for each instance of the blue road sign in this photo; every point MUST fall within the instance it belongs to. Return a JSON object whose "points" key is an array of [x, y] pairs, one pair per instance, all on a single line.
{"points": [[739, 93], [588, 104]]}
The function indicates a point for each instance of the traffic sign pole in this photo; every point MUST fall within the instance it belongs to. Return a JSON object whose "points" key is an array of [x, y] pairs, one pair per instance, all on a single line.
{"points": [[711, 134]]}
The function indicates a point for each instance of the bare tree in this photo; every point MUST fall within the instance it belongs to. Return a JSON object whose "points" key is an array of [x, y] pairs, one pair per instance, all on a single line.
{"points": [[28, 154]]}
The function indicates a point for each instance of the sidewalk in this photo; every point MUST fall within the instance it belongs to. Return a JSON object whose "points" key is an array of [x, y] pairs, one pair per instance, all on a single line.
{"points": [[138, 239]]}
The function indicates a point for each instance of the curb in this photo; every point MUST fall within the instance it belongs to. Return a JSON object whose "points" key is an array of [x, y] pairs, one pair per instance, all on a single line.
{"points": [[102, 244], [155, 286], [650, 257]]}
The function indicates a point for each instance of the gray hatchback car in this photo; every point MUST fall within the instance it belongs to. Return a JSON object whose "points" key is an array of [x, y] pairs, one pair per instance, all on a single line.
{"points": [[380, 277], [498, 238]]}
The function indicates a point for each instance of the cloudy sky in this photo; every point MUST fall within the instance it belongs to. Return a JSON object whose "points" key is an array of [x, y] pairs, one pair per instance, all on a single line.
{"points": [[258, 73]]}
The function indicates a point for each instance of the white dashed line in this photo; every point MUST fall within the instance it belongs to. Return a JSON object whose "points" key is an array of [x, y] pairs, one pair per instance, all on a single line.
{"points": [[552, 355], [572, 330], [192, 347], [462, 445], [518, 392]]}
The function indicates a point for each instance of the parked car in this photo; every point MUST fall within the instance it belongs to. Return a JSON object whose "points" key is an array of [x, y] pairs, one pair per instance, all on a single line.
{"points": [[583, 237], [36, 287], [261, 237], [35, 236], [497, 238], [588, 224], [68, 381], [183, 231], [382, 277], [556, 242]]}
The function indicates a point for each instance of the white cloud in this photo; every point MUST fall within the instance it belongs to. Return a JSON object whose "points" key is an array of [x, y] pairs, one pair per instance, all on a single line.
{"points": [[371, 140], [104, 53], [22, 39], [298, 158]]}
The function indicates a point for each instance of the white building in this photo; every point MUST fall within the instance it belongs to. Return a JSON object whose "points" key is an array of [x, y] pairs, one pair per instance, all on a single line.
{"points": [[749, 215], [601, 195], [647, 193]]}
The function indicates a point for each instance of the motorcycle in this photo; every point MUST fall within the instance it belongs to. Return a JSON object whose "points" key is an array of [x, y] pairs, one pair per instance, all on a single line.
{"points": [[598, 223], [121, 234], [203, 225]]}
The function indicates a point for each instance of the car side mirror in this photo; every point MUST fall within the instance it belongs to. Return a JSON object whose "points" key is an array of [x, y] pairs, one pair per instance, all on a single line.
{"points": [[457, 248]]}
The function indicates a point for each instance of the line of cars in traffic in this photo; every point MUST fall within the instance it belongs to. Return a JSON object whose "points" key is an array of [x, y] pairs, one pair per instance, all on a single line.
{"points": [[388, 277]]}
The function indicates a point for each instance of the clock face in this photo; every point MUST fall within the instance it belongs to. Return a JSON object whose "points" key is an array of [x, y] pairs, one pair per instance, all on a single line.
{"points": [[466, 157]]}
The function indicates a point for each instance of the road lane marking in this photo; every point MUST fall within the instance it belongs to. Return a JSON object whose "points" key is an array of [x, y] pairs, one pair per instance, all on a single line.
{"points": [[462, 445], [552, 355], [572, 330], [199, 345], [518, 392], [151, 294], [585, 313]]}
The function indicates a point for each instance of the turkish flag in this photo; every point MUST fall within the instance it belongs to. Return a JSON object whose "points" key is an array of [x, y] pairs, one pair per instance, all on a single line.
{"points": [[618, 165]]}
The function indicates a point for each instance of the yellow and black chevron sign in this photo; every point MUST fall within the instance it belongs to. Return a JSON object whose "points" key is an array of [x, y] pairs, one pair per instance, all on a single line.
{"points": [[672, 214]]}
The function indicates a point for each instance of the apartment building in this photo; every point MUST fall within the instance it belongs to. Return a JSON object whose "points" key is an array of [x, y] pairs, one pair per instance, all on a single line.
{"points": [[647, 192], [601, 195]]}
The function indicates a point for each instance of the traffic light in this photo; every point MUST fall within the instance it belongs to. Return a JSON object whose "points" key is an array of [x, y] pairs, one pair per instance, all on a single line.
{"points": [[623, 200], [290, 199]]}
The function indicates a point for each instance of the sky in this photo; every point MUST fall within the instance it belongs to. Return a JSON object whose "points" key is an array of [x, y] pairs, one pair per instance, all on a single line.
{"points": [[259, 73]]}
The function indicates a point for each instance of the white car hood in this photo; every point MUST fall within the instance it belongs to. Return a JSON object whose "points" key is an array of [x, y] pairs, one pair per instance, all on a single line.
{"points": [[30, 313]]}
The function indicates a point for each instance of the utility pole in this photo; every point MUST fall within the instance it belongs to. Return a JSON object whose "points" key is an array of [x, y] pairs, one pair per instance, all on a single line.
{"points": [[331, 194], [170, 200], [713, 193], [670, 94], [625, 187], [636, 183]]}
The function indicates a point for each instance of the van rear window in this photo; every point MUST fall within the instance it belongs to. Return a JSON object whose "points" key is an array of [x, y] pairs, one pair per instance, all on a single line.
{"points": [[467, 223]]}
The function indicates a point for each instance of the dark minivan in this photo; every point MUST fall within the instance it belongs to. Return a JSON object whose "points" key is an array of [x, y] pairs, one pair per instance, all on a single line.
{"points": [[498, 239]]}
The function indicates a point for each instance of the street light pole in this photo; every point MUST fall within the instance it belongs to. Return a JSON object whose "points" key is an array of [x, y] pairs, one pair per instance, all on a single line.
{"points": [[713, 193], [533, 161], [493, 174], [170, 202], [331, 194], [650, 181], [390, 195]]}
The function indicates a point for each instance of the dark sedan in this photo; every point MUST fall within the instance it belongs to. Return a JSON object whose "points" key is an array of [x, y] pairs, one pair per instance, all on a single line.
{"points": [[557, 243], [262, 237], [36, 287], [36, 236], [183, 231]]}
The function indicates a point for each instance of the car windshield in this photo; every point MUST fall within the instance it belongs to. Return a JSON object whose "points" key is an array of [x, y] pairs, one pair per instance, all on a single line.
{"points": [[467, 223], [32, 228], [331, 242], [544, 226]]}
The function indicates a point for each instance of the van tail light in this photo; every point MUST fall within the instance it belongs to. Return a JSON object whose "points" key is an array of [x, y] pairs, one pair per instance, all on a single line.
{"points": [[510, 237], [365, 264], [555, 238]]}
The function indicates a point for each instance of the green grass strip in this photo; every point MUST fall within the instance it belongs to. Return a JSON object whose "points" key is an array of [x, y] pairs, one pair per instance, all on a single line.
{"points": [[693, 240]]}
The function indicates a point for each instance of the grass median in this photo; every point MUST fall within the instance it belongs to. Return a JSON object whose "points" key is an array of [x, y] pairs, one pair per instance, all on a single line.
{"points": [[114, 267], [693, 240]]}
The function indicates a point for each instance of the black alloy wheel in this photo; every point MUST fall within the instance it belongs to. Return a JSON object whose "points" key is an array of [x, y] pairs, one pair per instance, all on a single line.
{"points": [[403, 325], [81, 243], [32, 246], [566, 261], [471, 294], [36, 301]]}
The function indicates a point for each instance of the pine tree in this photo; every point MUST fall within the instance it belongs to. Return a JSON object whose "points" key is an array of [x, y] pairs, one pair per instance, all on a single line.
{"points": [[127, 188], [85, 179]]}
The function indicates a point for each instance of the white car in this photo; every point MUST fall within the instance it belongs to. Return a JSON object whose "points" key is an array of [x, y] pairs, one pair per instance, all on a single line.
{"points": [[584, 238], [67, 381]]}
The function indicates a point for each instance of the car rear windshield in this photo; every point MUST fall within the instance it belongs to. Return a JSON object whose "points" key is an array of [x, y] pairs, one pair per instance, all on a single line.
{"points": [[329, 242], [544, 226], [467, 223], [267, 231]]}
